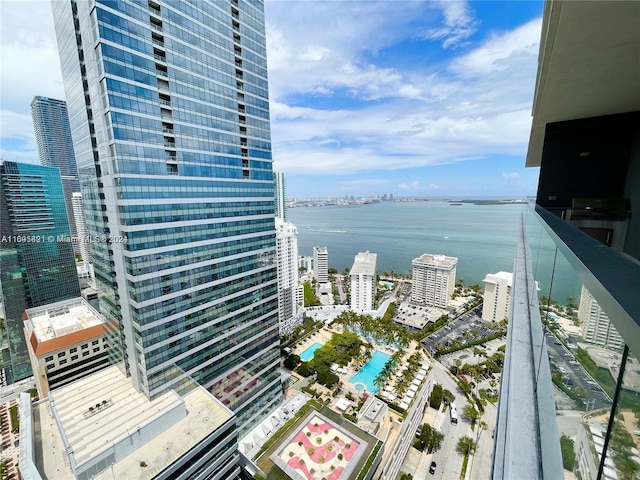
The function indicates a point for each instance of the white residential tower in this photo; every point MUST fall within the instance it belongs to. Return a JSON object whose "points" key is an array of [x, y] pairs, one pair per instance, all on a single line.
{"points": [[433, 279], [363, 281]]}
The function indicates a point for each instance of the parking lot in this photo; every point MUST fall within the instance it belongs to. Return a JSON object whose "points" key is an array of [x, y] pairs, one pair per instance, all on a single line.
{"points": [[416, 316], [470, 322], [573, 374]]}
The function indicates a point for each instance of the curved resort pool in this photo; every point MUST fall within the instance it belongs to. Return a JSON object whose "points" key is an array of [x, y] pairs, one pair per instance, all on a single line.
{"points": [[309, 351], [370, 371]]}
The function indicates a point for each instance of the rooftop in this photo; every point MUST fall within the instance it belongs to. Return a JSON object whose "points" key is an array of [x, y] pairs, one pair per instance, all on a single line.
{"points": [[54, 326], [364, 264], [319, 444], [431, 260], [494, 277], [103, 417]]}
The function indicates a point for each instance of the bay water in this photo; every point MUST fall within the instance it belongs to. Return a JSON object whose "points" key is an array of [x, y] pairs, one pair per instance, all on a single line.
{"points": [[482, 237]]}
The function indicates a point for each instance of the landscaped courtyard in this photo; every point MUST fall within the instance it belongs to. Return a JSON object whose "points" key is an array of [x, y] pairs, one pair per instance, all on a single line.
{"points": [[320, 445], [319, 451]]}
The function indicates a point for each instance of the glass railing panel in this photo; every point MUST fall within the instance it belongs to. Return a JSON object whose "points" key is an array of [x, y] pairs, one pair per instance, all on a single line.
{"points": [[585, 354]]}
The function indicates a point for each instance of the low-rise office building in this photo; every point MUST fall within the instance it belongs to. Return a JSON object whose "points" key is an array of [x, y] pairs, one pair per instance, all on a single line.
{"points": [[100, 427], [65, 341]]}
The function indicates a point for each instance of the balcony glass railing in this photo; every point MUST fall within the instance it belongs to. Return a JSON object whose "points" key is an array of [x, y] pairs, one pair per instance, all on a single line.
{"points": [[589, 303]]}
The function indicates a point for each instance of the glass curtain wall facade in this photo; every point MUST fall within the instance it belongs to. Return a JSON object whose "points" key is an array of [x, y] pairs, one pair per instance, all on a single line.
{"points": [[55, 147], [37, 265], [168, 105]]}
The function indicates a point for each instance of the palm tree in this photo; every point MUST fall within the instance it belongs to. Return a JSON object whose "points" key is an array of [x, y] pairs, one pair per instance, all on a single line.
{"points": [[458, 363], [466, 445]]}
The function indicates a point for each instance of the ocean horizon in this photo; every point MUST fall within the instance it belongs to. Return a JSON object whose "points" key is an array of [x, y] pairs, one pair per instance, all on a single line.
{"points": [[482, 237]]}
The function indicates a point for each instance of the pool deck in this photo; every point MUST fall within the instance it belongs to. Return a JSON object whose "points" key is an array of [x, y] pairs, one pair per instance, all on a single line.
{"points": [[324, 335]]}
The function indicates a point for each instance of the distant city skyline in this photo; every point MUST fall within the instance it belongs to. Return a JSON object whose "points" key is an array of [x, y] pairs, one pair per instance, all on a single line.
{"points": [[432, 99]]}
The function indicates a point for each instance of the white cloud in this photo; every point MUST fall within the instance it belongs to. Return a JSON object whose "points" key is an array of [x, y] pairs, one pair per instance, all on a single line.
{"points": [[511, 177], [312, 49], [501, 52], [390, 115], [477, 105], [30, 64], [415, 185], [458, 24]]}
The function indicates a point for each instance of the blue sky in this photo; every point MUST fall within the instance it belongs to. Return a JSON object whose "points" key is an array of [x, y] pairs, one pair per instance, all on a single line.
{"points": [[405, 97]]}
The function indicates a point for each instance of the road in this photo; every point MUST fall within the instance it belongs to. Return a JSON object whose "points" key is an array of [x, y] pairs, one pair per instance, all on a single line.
{"points": [[482, 460], [406, 437], [340, 288], [573, 374], [448, 460]]}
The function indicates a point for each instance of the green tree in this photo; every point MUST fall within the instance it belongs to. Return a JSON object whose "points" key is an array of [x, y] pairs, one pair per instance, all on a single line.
{"points": [[571, 303], [580, 391], [435, 400], [466, 445], [292, 361], [430, 439], [464, 387], [568, 454], [447, 396], [458, 363], [471, 413], [304, 369]]}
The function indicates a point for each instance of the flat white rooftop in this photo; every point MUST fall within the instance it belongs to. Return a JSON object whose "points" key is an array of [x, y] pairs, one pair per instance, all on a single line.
{"points": [[62, 318], [364, 264], [494, 277], [438, 261], [175, 424]]}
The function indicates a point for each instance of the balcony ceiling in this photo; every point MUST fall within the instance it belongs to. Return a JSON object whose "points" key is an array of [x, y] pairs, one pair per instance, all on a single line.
{"points": [[589, 64]]}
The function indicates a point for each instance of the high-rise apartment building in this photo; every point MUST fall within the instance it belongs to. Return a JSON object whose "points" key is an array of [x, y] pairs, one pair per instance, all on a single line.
{"points": [[497, 296], [363, 281], [80, 220], [433, 279], [321, 264], [286, 258], [55, 147], [37, 265], [280, 195], [168, 106], [597, 328]]}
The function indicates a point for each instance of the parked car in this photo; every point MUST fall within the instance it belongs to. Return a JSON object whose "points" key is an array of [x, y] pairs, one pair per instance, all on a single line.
{"points": [[432, 468]]}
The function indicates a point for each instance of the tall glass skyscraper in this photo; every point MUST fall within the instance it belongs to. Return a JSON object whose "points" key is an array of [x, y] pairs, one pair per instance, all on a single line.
{"points": [[168, 106], [55, 148], [37, 266]]}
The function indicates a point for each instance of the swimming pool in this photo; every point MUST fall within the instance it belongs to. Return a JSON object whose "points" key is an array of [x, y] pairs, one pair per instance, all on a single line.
{"points": [[308, 353], [370, 371]]}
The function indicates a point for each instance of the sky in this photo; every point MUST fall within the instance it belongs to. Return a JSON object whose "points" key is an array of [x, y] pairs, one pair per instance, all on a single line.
{"points": [[410, 98]]}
